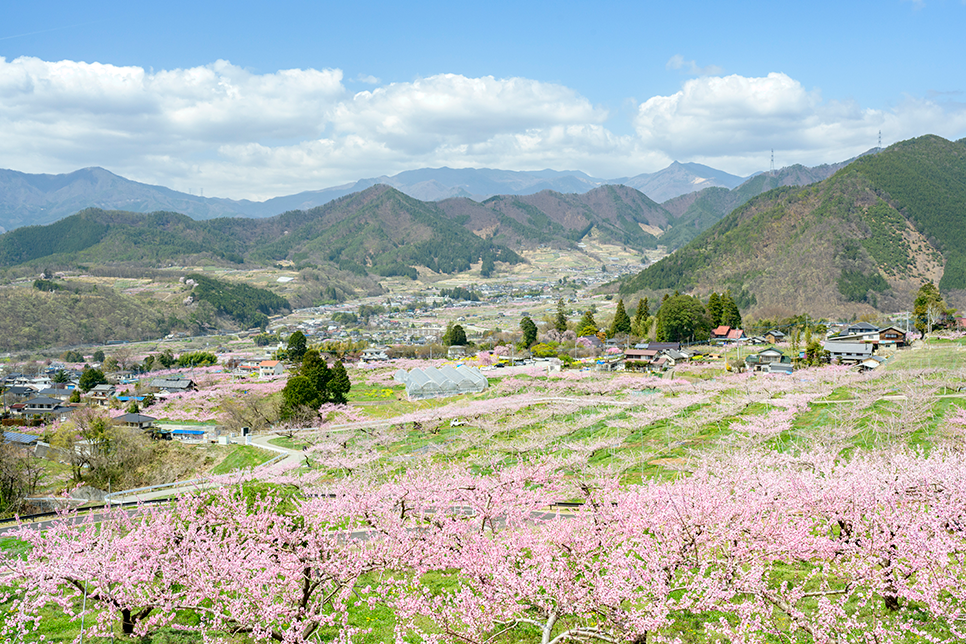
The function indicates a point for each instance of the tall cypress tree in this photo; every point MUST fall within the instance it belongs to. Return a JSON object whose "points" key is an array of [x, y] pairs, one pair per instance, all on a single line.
{"points": [[714, 309], [640, 316], [339, 383], [622, 322], [317, 371], [730, 314], [560, 322]]}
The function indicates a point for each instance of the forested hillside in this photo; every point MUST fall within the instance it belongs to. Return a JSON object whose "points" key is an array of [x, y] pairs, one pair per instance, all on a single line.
{"points": [[864, 239], [696, 212], [378, 231]]}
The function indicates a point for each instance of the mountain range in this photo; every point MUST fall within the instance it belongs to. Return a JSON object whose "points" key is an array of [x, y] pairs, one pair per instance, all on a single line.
{"points": [[861, 240], [36, 199]]}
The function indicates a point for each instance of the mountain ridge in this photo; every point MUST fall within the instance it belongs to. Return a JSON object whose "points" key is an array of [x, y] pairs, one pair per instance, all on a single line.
{"points": [[861, 241], [31, 199]]}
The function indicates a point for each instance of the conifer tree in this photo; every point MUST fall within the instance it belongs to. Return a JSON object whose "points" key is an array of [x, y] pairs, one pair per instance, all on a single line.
{"points": [[529, 332], [714, 309], [297, 346], [315, 368], [730, 315], [339, 383], [587, 324], [643, 312], [622, 322], [560, 322]]}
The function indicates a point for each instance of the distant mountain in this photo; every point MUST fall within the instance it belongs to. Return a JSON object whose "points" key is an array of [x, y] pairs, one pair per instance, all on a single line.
{"points": [[697, 211], [679, 179], [377, 231], [863, 239], [37, 199], [620, 214]]}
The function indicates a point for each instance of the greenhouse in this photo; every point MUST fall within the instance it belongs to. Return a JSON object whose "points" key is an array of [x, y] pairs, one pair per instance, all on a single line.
{"points": [[430, 382]]}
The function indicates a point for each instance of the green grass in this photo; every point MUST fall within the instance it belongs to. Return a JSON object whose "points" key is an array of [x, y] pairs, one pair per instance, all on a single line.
{"points": [[242, 457], [13, 547]]}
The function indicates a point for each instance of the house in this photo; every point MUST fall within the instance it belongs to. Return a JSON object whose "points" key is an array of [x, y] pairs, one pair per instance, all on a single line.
{"points": [[870, 363], [270, 368], [136, 420], [892, 336], [175, 385], [455, 351], [663, 346], [848, 351], [781, 367], [775, 336], [725, 333], [45, 406], [763, 359], [861, 328], [720, 333], [373, 355], [101, 395], [60, 393]]}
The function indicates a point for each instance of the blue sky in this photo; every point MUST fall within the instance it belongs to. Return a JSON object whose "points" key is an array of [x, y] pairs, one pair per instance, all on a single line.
{"points": [[256, 100]]}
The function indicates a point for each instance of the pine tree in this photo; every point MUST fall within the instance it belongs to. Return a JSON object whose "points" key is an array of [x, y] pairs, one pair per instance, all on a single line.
{"points": [[560, 322], [339, 383], [622, 322], [714, 309]]}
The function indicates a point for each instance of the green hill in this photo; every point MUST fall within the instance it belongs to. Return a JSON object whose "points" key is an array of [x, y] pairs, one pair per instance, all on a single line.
{"points": [[379, 230], [861, 240], [696, 212]]}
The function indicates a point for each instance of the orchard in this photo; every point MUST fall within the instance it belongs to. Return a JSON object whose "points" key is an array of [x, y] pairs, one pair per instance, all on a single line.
{"points": [[755, 547]]}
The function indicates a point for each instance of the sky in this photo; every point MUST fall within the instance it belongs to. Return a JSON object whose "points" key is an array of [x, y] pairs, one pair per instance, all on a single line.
{"points": [[255, 100]]}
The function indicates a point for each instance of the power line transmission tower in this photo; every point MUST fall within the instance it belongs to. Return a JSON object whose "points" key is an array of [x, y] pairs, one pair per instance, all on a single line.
{"points": [[772, 159], [880, 139]]}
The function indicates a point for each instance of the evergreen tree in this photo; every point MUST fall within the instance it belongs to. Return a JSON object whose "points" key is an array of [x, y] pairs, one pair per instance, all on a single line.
{"points": [[60, 377], [622, 322], [98, 356], [730, 315], [639, 325], [297, 345], [455, 335], [299, 392], [339, 383], [587, 324], [560, 322], [90, 378], [529, 332], [714, 309], [315, 368]]}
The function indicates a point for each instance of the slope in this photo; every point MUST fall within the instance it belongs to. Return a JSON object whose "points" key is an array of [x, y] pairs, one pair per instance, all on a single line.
{"points": [[696, 212], [619, 213], [865, 238]]}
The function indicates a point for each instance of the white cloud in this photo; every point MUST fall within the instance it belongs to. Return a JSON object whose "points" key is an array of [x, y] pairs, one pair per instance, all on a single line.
{"points": [[368, 79], [240, 134], [691, 67], [733, 122]]}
